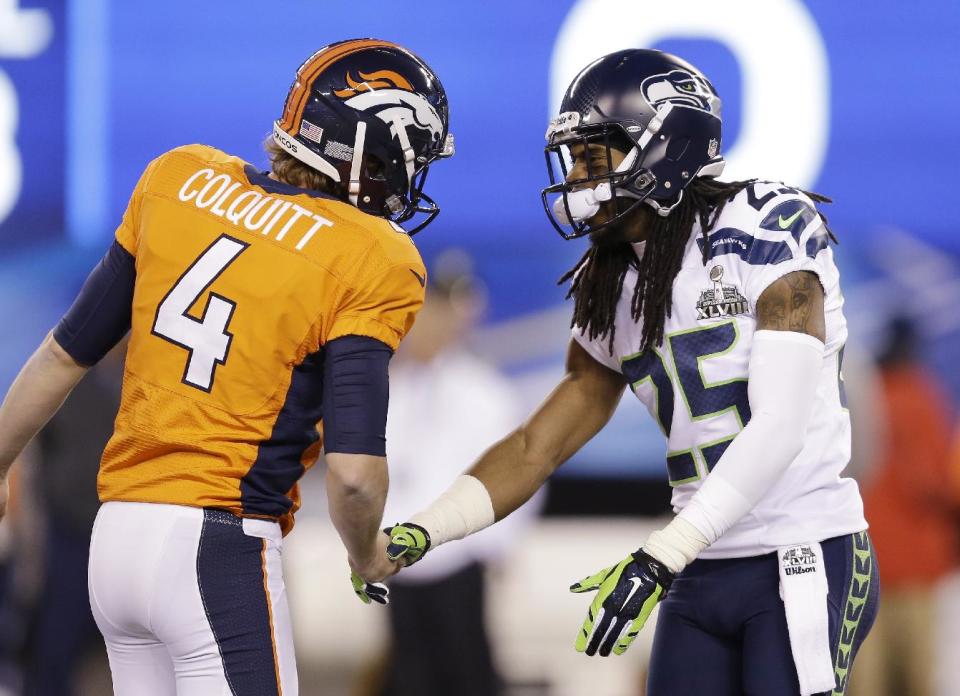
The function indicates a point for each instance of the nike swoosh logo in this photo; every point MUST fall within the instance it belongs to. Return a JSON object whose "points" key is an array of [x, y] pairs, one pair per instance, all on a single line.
{"points": [[636, 586], [785, 224], [420, 278]]}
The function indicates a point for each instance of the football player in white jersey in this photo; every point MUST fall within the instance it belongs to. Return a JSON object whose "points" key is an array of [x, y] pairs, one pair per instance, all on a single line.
{"points": [[719, 305]]}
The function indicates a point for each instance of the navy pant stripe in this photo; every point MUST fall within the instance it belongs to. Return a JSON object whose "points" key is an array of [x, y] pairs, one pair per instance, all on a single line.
{"points": [[230, 573]]}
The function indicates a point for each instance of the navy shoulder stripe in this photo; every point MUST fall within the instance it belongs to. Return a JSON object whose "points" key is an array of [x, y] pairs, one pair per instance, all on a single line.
{"points": [[791, 216], [756, 252]]}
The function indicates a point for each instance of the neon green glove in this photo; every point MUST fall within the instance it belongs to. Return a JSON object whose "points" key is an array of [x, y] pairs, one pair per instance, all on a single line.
{"points": [[626, 594], [369, 591], [408, 542]]}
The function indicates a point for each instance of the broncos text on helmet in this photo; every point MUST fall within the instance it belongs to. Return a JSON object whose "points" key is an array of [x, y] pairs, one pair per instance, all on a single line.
{"points": [[372, 116], [660, 110]]}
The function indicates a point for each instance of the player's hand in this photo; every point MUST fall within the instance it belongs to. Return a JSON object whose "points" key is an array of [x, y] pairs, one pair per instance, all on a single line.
{"points": [[626, 594], [408, 543], [366, 576], [369, 591], [377, 566]]}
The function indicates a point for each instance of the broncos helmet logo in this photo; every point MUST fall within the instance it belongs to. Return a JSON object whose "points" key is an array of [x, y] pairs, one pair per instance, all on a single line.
{"points": [[681, 88], [390, 96]]}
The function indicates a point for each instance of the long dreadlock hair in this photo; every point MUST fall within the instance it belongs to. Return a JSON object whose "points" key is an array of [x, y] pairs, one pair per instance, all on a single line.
{"points": [[599, 275]]}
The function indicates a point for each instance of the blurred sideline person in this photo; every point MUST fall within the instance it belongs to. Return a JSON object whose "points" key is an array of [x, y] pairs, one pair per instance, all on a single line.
{"points": [[58, 627], [719, 304], [913, 509], [21, 545], [259, 304], [447, 406]]}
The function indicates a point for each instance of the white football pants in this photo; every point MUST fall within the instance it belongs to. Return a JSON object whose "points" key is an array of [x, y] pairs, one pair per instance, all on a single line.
{"points": [[191, 602]]}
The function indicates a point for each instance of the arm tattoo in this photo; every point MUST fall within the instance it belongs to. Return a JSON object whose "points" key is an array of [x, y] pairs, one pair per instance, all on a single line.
{"points": [[793, 303]]}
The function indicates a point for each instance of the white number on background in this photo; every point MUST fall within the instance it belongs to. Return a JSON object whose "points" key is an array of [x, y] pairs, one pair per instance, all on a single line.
{"points": [[782, 59], [24, 34], [10, 165]]}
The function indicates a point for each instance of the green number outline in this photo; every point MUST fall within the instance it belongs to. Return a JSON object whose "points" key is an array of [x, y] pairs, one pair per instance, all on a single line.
{"points": [[706, 445], [703, 381], [653, 385], [696, 467]]}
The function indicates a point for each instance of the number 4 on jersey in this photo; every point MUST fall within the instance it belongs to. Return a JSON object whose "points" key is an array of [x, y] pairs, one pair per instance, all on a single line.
{"points": [[206, 339]]}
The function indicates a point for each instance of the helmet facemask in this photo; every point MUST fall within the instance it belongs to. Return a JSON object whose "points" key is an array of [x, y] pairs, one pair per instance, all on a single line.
{"points": [[627, 185]]}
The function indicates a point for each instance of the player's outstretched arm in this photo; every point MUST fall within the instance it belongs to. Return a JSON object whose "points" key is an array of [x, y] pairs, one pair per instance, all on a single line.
{"points": [[38, 391], [511, 471], [577, 409], [356, 491], [355, 400]]}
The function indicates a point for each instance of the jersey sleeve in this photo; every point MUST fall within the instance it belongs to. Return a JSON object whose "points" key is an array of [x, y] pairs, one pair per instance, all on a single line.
{"points": [[128, 233], [100, 316], [790, 236], [382, 304], [597, 348]]}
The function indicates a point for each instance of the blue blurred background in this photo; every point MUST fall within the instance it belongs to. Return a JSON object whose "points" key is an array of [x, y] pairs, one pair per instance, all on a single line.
{"points": [[857, 104]]}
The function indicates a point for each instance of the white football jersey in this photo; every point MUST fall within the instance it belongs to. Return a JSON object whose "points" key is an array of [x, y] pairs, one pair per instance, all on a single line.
{"points": [[695, 383]]}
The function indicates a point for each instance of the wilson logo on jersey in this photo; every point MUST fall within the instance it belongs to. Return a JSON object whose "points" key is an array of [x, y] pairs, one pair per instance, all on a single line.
{"points": [[720, 300], [799, 560]]}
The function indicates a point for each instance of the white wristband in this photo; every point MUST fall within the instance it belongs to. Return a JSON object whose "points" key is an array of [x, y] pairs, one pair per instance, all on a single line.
{"points": [[676, 545], [463, 509]]}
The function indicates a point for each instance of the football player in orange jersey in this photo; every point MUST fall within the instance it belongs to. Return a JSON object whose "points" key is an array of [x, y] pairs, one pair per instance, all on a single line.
{"points": [[263, 310]]}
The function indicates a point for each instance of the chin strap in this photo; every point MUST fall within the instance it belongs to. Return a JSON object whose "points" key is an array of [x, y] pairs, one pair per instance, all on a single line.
{"points": [[714, 168], [353, 189]]}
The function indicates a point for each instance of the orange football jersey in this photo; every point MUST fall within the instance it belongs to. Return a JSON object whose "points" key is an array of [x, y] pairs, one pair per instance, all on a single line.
{"points": [[240, 281]]}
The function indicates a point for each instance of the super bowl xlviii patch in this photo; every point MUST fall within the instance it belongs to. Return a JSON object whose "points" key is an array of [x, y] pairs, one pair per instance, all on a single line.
{"points": [[720, 300], [799, 560]]}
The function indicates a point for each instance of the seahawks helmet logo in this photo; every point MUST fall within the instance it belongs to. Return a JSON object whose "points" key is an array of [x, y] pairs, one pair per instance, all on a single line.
{"points": [[681, 88]]}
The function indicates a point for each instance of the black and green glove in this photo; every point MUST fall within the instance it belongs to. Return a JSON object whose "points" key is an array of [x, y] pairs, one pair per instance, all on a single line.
{"points": [[369, 591], [626, 594], [408, 542]]}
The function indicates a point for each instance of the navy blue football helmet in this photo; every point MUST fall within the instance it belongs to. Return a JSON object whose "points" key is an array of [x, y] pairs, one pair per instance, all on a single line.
{"points": [[372, 116], [658, 109]]}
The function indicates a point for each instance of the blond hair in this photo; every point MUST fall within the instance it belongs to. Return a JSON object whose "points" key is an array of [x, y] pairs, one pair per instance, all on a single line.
{"points": [[292, 171]]}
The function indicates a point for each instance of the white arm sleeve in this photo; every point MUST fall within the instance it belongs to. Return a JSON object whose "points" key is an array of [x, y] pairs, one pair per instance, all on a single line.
{"points": [[783, 376], [782, 383]]}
